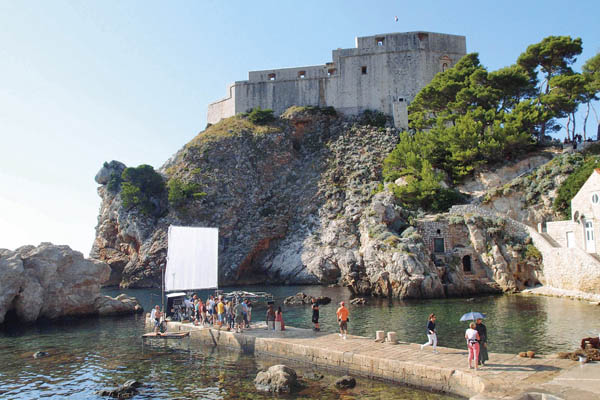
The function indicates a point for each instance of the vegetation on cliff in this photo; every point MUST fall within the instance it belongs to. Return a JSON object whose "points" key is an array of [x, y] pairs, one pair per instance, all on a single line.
{"points": [[467, 118], [142, 188], [569, 188]]}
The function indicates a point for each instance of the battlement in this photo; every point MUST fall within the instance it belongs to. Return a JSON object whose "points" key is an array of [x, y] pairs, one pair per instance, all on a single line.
{"points": [[383, 72]]}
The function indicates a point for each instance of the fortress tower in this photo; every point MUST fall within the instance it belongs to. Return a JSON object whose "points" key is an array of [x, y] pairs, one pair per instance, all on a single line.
{"points": [[383, 72]]}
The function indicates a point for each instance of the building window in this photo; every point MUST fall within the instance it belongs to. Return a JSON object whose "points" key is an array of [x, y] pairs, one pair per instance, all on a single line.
{"points": [[271, 77], [589, 231], [331, 71], [379, 41], [444, 67], [595, 198], [438, 245], [301, 74], [363, 70]]}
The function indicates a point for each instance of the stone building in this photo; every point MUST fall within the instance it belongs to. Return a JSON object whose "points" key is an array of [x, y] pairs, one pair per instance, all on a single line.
{"points": [[383, 72], [450, 244], [582, 230]]}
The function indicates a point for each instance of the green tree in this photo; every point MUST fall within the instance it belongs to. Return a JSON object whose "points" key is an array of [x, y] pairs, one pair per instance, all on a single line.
{"points": [[591, 72], [551, 57], [142, 188]]}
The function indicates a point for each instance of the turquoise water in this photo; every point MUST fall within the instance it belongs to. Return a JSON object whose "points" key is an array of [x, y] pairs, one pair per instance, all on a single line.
{"points": [[90, 354]]}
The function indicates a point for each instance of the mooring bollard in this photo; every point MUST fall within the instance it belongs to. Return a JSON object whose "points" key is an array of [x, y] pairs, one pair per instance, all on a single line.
{"points": [[392, 337], [379, 336]]}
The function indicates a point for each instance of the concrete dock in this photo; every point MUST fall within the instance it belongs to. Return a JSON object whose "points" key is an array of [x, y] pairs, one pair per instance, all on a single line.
{"points": [[505, 376]]}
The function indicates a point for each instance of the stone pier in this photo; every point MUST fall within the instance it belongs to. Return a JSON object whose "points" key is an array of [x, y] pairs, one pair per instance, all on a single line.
{"points": [[505, 376]]}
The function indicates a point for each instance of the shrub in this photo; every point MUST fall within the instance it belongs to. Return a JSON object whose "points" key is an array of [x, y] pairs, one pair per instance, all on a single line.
{"points": [[259, 116], [373, 118], [142, 188], [532, 252], [114, 183], [180, 192]]}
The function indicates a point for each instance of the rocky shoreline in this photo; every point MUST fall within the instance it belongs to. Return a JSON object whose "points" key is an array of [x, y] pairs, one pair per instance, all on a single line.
{"points": [[52, 282]]}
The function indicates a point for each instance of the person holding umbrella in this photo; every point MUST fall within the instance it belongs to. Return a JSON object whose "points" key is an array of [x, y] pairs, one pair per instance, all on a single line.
{"points": [[472, 336], [482, 330]]}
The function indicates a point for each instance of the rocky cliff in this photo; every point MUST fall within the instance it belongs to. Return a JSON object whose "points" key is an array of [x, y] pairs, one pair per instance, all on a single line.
{"points": [[51, 281], [298, 200]]}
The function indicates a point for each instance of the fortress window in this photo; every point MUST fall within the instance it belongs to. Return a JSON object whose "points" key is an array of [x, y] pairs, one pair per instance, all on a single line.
{"points": [[271, 77], [595, 198], [363, 70], [379, 41], [331, 71], [301, 74]]}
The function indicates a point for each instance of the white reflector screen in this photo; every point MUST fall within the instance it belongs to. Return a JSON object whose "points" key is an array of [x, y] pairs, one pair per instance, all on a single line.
{"points": [[192, 258]]}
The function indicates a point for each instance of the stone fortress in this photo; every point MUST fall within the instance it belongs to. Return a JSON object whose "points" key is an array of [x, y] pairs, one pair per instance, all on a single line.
{"points": [[383, 72]]}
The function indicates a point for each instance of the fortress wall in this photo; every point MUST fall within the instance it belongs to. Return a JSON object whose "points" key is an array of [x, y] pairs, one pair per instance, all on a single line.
{"points": [[397, 66], [223, 108], [278, 95]]}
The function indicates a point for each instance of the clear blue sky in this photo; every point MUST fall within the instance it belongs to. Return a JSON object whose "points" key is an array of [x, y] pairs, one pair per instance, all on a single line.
{"points": [[83, 82]]}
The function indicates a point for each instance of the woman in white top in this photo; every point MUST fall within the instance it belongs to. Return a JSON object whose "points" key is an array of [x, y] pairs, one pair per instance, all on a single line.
{"points": [[472, 337]]}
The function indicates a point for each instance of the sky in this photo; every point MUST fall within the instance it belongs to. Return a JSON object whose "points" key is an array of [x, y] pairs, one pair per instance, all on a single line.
{"points": [[83, 82]]}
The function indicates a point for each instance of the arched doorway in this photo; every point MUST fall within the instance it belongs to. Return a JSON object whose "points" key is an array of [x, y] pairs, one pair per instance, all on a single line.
{"points": [[466, 261]]}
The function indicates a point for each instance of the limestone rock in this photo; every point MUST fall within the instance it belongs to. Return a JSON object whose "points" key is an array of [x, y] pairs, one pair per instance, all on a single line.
{"points": [[11, 280], [345, 382], [50, 282], [122, 304], [108, 170], [277, 379], [299, 203]]}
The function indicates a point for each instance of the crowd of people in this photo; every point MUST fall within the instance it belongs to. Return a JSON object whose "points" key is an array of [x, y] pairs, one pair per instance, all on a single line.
{"points": [[215, 311]]}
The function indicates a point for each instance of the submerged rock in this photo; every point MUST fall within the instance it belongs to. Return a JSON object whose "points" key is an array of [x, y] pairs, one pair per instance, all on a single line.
{"points": [[125, 391], [359, 300], [277, 379], [40, 354], [51, 282], [302, 298]]}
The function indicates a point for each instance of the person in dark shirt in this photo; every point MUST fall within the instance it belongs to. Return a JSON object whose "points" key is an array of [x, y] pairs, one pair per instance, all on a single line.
{"points": [[431, 334], [315, 314], [482, 330]]}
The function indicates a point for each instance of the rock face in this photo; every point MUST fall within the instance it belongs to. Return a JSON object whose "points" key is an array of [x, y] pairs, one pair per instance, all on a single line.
{"points": [[51, 281], [298, 201], [277, 379]]}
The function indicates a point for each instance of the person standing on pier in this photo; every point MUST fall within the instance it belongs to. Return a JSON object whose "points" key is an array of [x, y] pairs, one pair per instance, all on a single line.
{"points": [[315, 314], [342, 315], [482, 330], [431, 334], [473, 338]]}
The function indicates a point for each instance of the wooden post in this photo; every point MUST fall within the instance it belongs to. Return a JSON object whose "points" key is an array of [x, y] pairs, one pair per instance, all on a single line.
{"points": [[379, 336]]}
